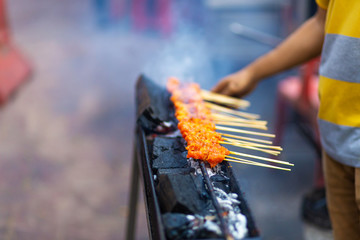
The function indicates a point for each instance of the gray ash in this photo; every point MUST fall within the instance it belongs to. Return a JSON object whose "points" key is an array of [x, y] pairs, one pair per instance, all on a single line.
{"points": [[181, 226]]}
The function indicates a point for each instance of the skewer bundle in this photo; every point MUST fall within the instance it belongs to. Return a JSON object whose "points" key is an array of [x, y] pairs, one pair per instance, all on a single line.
{"points": [[199, 118]]}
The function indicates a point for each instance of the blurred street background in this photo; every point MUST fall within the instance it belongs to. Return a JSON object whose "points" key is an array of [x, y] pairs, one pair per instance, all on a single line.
{"points": [[66, 135]]}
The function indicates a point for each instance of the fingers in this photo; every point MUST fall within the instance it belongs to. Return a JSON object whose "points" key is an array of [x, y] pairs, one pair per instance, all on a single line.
{"points": [[220, 87], [232, 88], [226, 86], [238, 84], [228, 91]]}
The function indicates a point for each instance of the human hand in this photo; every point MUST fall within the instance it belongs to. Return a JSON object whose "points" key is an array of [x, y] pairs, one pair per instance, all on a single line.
{"points": [[237, 84]]}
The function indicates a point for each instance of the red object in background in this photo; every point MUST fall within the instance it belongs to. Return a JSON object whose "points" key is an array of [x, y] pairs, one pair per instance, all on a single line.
{"points": [[300, 93], [118, 8], [138, 14], [164, 21], [160, 18], [14, 70]]}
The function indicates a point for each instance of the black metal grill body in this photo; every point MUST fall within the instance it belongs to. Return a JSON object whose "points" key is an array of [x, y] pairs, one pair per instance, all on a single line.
{"points": [[142, 168]]}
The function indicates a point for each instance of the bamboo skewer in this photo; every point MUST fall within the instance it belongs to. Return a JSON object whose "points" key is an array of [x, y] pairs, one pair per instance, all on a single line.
{"points": [[223, 99], [261, 158], [253, 144], [244, 131], [231, 111], [272, 152], [239, 160], [229, 118], [224, 116], [247, 138], [222, 96], [229, 121], [240, 125], [268, 151]]}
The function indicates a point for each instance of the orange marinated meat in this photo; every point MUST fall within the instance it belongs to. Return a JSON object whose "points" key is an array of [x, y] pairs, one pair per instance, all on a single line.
{"points": [[195, 123]]}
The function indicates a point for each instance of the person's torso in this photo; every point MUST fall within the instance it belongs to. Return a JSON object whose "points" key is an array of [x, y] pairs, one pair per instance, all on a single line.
{"points": [[339, 86]]}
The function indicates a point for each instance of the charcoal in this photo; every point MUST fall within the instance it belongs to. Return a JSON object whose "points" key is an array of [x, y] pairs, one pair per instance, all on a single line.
{"points": [[221, 182], [177, 193], [175, 171], [170, 159], [200, 186], [219, 178], [155, 111], [162, 144], [177, 226]]}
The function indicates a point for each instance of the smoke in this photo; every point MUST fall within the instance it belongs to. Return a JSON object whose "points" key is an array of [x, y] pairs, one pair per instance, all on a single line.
{"points": [[186, 54]]}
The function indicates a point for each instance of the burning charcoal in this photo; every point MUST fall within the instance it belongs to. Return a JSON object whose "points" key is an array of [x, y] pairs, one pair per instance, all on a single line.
{"points": [[177, 225], [170, 159], [162, 144], [177, 193]]}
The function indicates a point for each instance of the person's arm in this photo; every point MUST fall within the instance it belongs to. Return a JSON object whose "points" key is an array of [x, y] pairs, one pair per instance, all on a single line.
{"points": [[304, 44]]}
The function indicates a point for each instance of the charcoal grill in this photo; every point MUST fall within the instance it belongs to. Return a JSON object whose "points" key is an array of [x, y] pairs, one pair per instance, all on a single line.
{"points": [[163, 197]]}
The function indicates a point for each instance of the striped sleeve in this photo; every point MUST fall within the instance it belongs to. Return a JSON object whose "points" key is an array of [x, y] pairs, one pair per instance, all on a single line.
{"points": [[323, 3]]}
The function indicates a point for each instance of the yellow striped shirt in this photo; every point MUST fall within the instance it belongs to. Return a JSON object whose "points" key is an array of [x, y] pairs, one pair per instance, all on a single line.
{"points": [[339, 86]]}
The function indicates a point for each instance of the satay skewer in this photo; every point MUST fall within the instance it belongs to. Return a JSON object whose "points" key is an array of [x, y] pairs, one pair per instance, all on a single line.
{"points": [[241, 145], [223, 99], [272, 152], [227, 117], [227, 129], [260, 158], [198, 121], [243, 161], [231, 111], [240, 125], [252, 144], [246, 138]]}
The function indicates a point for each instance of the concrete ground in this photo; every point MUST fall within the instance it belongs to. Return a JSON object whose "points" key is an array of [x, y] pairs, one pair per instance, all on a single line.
{"points": [[66, 137]]}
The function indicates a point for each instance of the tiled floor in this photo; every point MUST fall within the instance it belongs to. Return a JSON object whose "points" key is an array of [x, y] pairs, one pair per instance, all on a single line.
{"points": [[66, 137]]}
